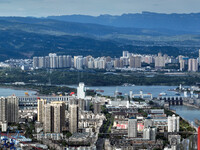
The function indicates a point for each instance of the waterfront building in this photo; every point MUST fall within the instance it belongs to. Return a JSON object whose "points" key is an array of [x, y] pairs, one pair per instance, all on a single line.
{"points": [[81, 91], [173, 123], [132, 127]]}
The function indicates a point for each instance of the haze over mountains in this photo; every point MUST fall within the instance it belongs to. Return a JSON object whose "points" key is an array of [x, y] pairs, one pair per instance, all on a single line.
{"points": [[146, 20], [25, 37]]}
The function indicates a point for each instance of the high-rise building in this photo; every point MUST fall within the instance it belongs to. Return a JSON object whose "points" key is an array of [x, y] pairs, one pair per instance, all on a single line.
{"points": [[9, 108], [58, 116], [53, 60], [173, 123], [48, 119], [125, 53], [81, 91], [54, 117], [182, 65], [47, 62], [35, 62], [149, 133], [41, 103], [73, 116], [41, 63], [97, 107], [159, 61], [192, 65], [3, 109], [60, 62], [116, 63], [90, 64], [13, 109], [135, 61], [132, 127], [81, 104]]}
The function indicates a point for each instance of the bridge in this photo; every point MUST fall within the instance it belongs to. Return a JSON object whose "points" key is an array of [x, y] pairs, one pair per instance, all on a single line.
{"points": [[172, 100]]}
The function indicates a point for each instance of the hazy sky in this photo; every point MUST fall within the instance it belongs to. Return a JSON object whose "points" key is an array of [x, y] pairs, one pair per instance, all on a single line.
{"points": [[94, 7]]}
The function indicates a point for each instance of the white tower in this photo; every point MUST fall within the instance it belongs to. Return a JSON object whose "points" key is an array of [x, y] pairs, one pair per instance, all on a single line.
{"points": [[81, 91]]}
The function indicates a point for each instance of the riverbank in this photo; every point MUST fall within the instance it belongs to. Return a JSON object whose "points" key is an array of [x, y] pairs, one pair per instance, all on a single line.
{"points": [[184, 123], [191, 105], [41, 90]]}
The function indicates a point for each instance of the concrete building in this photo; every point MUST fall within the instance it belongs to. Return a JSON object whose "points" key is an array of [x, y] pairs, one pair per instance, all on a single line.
{"points": [[182, 65], [116, 63], [35, 62], [3, 109], [73, 116], [9, 108], [58, 116], [97, 107], [135, 62], [41, 62], [192, 65], [12, 109], [60, 62], [47, 121], [132, 127], [149, 133], [81, 91], [148, 122], [173, 123], [54, 117], [125, 54], [53, 60], [159, 61], [41, 103]]}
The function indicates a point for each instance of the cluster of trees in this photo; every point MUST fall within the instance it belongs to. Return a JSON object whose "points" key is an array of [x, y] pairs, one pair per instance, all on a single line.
{"points": [[67, 77]]}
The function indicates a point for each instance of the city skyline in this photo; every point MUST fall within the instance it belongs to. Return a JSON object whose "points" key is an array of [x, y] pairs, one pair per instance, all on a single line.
{"points": [[42, 8]]}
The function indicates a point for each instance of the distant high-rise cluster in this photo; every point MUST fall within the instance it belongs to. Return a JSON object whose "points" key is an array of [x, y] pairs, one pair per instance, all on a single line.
{"points": [[52, 61], [79, 62], [126, 61]]}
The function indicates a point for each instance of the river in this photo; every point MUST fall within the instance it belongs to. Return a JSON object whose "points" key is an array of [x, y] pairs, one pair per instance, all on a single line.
{"points": [[154, 90], [9, 92], [188, 113]]}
